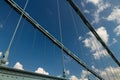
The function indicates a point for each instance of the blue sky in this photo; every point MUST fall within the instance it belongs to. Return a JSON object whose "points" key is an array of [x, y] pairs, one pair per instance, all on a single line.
{"points": [[33, 51]]}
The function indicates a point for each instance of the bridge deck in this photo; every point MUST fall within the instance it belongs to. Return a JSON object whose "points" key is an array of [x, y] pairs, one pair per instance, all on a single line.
{"points": [[15, 74]]}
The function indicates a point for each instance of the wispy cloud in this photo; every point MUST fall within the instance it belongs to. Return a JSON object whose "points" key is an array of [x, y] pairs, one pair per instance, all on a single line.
{"points": [[18, 65], [114, 15], [84, 75], [117, 30], [94, 45], [109, 73], [86, 11], [67, 72], [41, 71], [114, 41], [112, 73], [95, 2], [80, 38], [101, 6], [73, 77], [82, 3]]}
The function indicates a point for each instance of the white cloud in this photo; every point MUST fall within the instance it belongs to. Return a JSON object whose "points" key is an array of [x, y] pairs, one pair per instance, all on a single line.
{"points": [[84, 74], [101, 6], [109, 73], [95, 69], [95, 2], [41, 71], [67, 72], [94, 45], [86, 11], [112, 73], [83, 5], [96, 17], [103, 34], [18, 65], [79, 38], [73, 77], [114, 15], [117, 30], [114, 41], [100, 53]]}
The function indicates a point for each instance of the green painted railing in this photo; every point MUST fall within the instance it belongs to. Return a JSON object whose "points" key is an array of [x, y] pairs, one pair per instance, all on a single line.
{"points": [[16, 74]]}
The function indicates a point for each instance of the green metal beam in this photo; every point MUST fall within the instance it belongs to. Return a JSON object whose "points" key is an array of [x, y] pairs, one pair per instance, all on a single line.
{"points": [[52, 38], [16, 74]]}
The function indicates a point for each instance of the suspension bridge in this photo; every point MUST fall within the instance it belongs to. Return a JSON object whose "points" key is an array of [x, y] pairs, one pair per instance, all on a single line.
{"points": [[7, 73]]}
